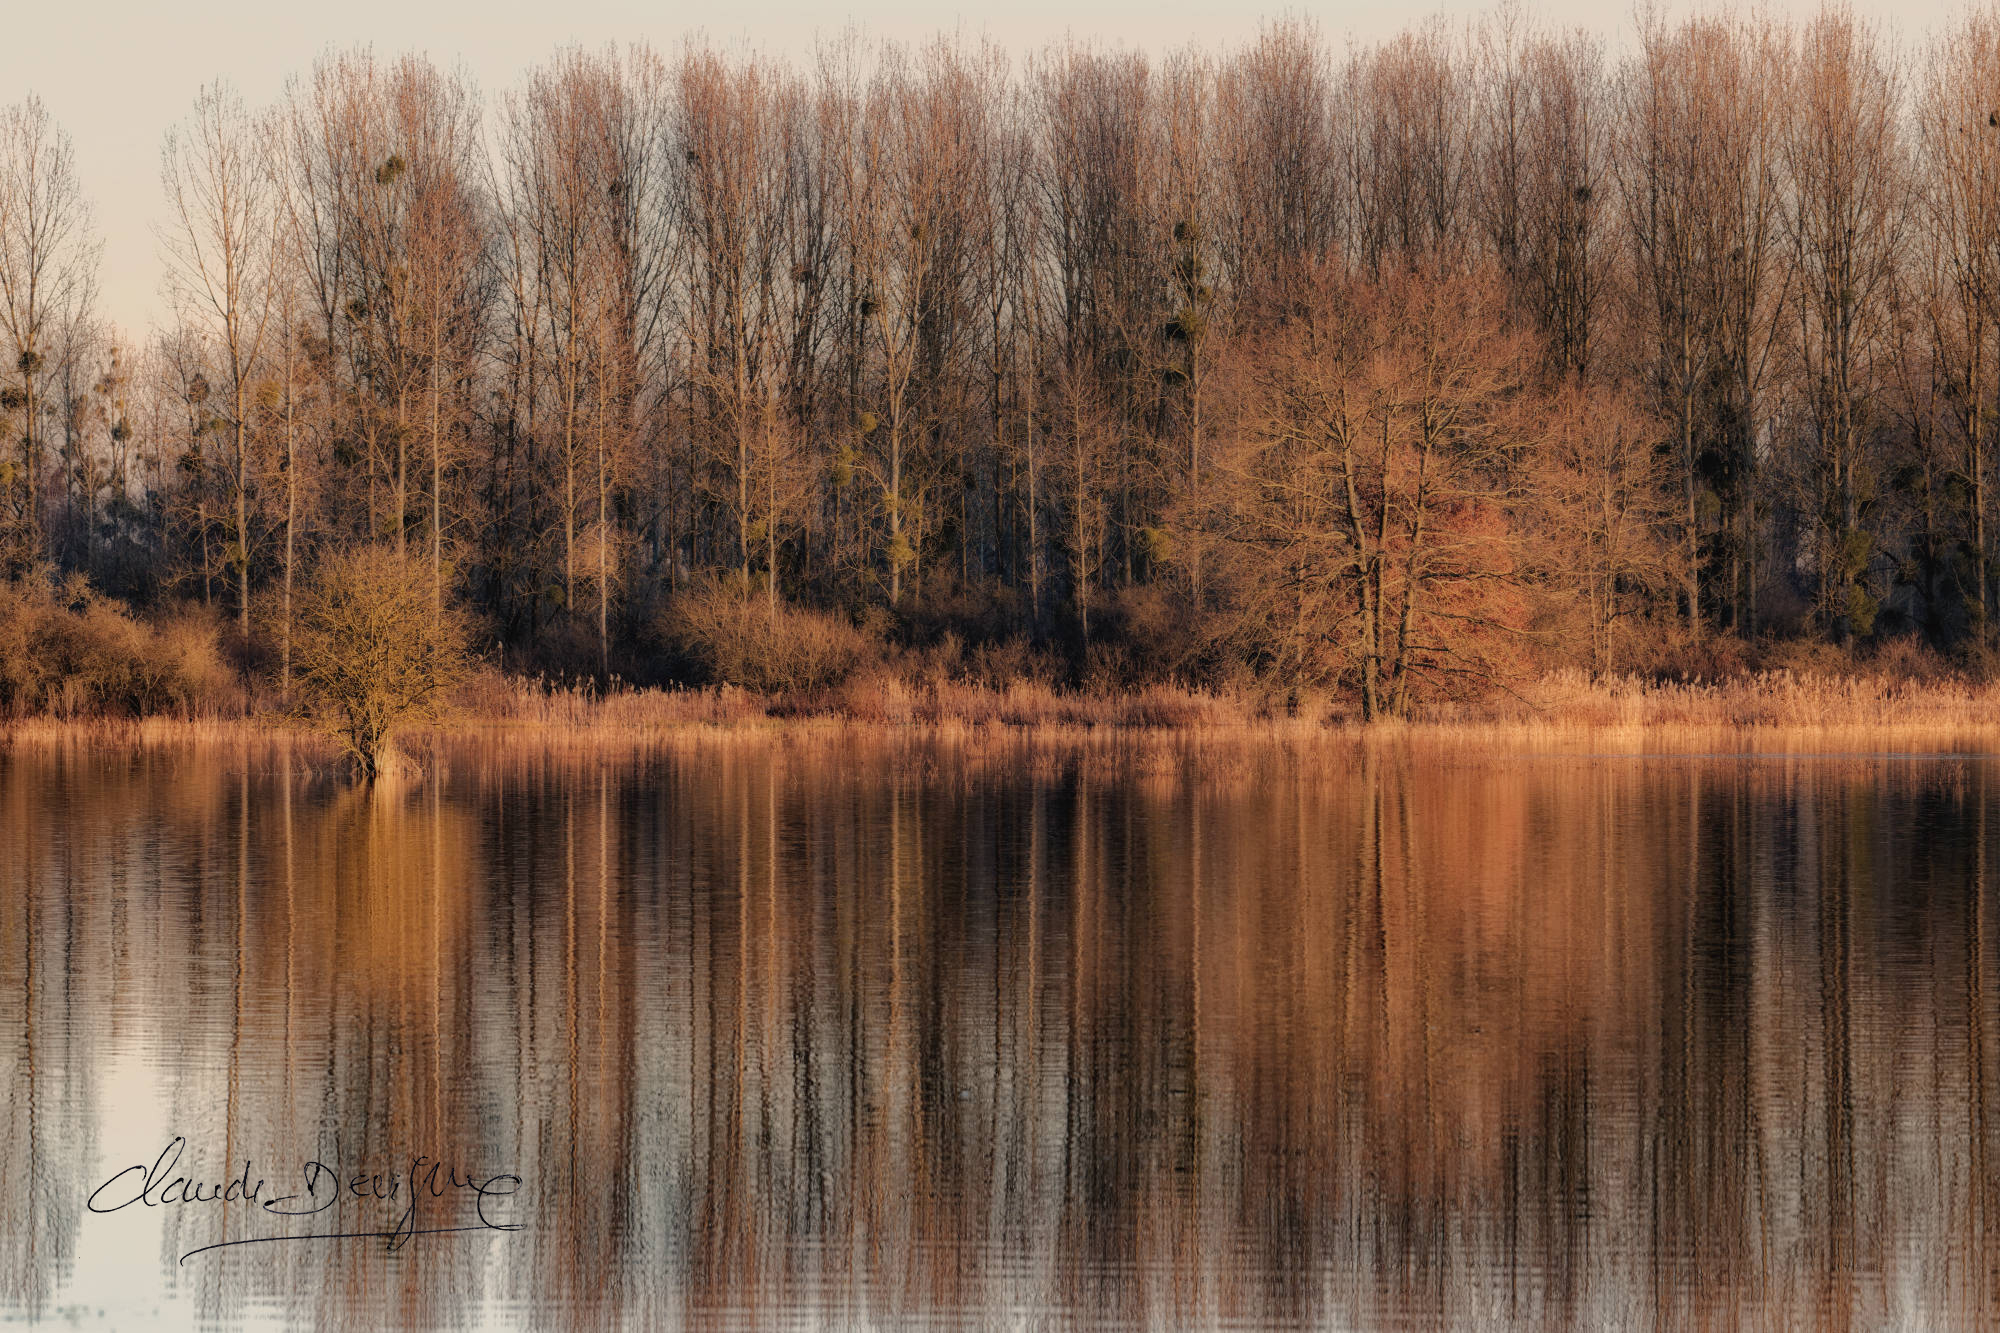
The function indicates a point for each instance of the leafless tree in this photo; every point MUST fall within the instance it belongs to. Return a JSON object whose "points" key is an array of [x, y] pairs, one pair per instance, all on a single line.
{"points": [[1845, 221], [1956, 219], [218, 251], [1374, 483], [48, 273]]}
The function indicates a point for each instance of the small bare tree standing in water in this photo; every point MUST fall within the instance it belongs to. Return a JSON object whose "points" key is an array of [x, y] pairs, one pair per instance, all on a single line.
{"points": [[374, 653]]}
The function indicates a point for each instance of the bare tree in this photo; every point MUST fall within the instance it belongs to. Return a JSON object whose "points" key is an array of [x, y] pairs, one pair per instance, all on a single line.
{"points": [[1699, 174], [731, 125], [1410, 103], [1744, 182], [978, 342], [1845, 222], [1018, 312], [1605, 516], [445, 267], [1563, 243], [1274, 138], [1957, 218], [1086, 443], [1374, 484], [1197, 296], [1107, 254], [218, 253], [48, 273]]}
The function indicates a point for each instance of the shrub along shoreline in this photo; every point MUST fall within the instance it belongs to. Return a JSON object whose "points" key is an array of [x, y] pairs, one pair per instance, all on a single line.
{"points": [[74, 664]]}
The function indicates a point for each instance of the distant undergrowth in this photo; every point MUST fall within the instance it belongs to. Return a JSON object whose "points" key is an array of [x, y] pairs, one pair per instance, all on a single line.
{"points": [[69, 654], [70, 658]]}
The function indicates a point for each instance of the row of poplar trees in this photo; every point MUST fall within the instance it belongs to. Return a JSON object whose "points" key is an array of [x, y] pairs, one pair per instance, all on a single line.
{"points": [[1387, 366]]}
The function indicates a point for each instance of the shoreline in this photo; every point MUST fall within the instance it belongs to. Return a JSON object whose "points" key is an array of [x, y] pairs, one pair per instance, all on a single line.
{"points": [[1775, 712]]}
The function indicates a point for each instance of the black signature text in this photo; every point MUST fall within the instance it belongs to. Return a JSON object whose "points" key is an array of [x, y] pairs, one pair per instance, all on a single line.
{"points": [[320, 1186]]}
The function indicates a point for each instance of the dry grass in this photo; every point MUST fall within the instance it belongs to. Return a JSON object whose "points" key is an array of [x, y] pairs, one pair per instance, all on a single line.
{"points": [[1779, 709], [71, 654], [510, 703], [259, 736], [1770, 711], [879, 700]]}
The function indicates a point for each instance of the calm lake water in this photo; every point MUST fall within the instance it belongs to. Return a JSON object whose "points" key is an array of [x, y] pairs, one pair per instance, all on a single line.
{"points": [[780, 1034]]}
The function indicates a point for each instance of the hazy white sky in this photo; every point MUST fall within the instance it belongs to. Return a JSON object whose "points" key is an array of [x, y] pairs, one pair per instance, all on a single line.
{"points": [[118, 72]]}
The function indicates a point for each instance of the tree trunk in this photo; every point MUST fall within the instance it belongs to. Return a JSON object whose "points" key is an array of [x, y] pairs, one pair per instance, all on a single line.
{"points": [[437, 507], [242, 519]]}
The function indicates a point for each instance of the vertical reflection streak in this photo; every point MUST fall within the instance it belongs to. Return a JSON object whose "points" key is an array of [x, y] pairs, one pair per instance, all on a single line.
{"points": [[904, 1032]]}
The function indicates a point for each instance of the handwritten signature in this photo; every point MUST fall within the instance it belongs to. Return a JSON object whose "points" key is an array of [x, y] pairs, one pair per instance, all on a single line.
{"points": [[426, 1180]]}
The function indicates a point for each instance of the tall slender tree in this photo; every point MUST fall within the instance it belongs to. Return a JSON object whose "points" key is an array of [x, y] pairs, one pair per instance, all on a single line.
{"points": [[48, 276], [218, 251]]}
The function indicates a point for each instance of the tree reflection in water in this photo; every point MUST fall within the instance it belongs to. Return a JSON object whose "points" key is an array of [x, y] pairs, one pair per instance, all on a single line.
{"points": [[1160, 1033]]}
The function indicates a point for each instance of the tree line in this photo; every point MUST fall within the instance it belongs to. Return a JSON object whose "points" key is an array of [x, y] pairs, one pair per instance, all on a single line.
{"points": [[1398, 370]]}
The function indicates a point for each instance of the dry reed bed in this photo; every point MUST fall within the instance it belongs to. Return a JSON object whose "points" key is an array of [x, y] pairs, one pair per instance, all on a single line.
{"points": [[884, 700], [162, 730], [1772, 711], [1776, 711]]}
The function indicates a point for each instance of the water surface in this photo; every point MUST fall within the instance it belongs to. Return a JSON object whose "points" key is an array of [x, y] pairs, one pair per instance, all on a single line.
{"points": [[879, 1034]]}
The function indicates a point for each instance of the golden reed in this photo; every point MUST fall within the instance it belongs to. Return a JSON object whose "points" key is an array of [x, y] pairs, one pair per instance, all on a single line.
{"points": [[1563, 711]]}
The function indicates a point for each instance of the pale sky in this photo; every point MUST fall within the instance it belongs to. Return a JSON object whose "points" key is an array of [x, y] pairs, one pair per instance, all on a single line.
{"points": [[117, 73]]}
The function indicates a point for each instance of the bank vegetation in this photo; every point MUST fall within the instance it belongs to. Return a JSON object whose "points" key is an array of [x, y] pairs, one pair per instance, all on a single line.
{"points": [[1480, 372]]}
